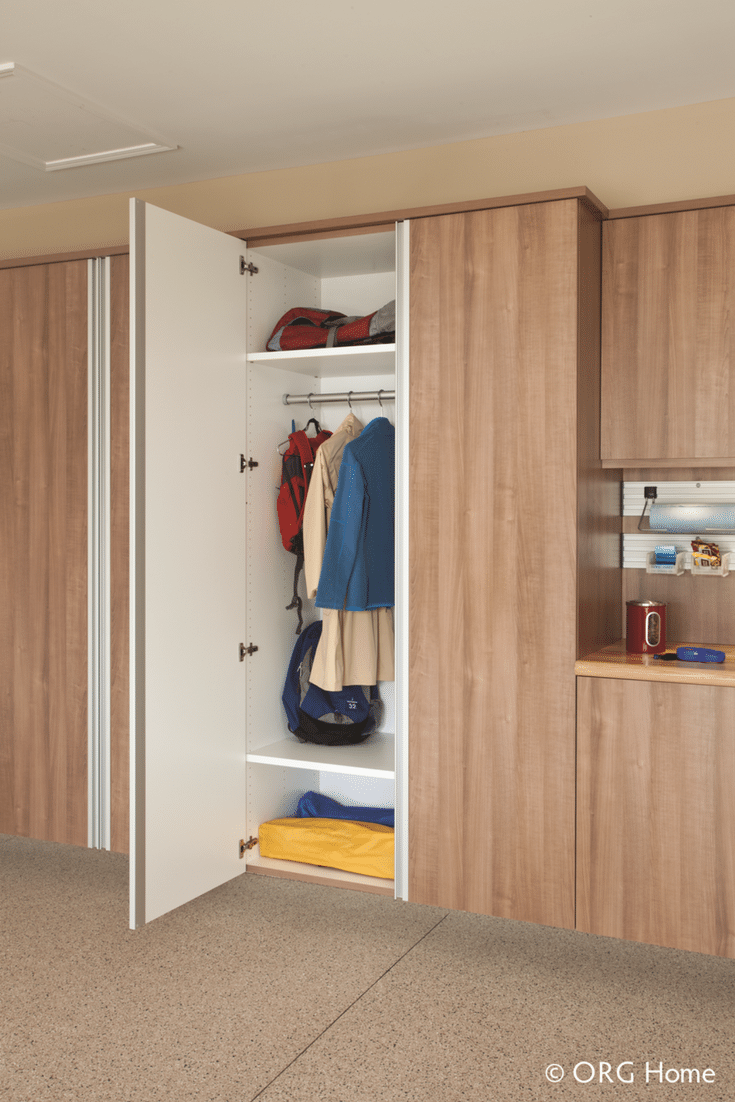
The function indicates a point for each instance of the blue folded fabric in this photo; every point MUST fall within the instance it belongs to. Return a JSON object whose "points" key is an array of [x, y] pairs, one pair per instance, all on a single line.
{"points": [[313, 805]]}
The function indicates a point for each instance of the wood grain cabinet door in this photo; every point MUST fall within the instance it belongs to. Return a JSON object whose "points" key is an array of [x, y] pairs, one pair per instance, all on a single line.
{"points": [[43, 552], [656, 815], [493, 479], [668, 342]]}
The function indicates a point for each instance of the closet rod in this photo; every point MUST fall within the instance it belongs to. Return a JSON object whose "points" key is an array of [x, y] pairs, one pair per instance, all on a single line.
{"points": [[346, 396]]}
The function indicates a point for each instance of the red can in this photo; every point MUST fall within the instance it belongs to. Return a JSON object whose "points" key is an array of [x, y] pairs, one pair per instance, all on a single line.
{"points": [[645, 627]]}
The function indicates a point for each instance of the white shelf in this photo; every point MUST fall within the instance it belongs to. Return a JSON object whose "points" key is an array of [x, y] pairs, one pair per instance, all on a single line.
{"points": [[320, 874], [373, 758], [361, 359]]}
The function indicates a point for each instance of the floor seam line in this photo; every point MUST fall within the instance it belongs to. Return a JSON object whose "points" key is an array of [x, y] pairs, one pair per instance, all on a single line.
{"points": [[343, 1012]]}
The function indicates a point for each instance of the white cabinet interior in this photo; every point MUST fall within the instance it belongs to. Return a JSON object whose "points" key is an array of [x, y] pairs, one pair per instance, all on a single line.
{"points": [[354, 276], [212, 755]]}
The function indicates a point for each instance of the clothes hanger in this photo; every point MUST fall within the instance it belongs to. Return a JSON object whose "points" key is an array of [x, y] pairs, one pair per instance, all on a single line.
{"points": [[312, 421]]}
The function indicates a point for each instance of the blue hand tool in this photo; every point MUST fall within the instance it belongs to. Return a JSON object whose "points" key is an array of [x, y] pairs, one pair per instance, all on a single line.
{"points": [[699, 654]]}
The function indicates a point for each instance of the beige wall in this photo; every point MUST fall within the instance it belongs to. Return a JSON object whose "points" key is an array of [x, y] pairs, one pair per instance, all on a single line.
{"points": [[656, 157]]}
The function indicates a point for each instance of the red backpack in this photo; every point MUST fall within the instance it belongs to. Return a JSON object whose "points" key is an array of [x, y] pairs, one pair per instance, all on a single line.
{"points": [[298, 463], [303, 327]]}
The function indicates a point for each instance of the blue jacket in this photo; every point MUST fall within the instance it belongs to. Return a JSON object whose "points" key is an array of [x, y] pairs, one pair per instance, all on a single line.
{"points": [[358, 567]]}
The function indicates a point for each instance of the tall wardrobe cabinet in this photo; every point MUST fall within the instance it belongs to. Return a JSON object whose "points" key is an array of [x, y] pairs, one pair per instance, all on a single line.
{"points": [[506, 564], [514, 568], [211, 633]]}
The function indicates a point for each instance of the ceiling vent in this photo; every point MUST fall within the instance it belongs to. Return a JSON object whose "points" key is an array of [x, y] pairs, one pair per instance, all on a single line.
{"points": [[50, 128]]}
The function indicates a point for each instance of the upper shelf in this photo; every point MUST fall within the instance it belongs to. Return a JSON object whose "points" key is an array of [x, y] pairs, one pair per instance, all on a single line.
{"points": [[361, 359]]}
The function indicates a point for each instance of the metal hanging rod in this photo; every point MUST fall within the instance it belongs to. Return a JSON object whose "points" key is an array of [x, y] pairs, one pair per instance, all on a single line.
{"points": [[348, 396]]}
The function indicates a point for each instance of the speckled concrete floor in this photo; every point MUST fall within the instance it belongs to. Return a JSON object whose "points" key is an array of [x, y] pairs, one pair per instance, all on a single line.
{"points": [[289, 992]]}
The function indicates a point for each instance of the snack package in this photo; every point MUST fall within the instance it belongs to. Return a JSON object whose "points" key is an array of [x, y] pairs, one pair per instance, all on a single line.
{"points": [[705, 554]]}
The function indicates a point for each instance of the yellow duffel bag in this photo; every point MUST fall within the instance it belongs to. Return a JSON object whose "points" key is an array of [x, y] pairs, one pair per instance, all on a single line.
{"points": [[366, 848]]}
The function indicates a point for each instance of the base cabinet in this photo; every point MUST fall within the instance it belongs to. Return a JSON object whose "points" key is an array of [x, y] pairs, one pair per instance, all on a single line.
{"points": [[656, 814]]}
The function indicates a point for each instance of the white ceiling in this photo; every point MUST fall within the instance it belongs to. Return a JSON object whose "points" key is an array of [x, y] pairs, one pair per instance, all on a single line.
{"points": [[246, 85]]}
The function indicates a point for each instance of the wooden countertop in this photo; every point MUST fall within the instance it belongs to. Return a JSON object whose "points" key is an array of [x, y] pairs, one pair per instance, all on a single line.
{"points": [[614, 661]]}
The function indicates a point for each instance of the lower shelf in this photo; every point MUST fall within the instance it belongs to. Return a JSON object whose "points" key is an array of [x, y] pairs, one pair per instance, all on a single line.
{"points": [[294, 870], [375, 757]]}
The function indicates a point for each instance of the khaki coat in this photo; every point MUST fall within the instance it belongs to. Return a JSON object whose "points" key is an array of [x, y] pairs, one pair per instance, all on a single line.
{"points": [[356, 648]]}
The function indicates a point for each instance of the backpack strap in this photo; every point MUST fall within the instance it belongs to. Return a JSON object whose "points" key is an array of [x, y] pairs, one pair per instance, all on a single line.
{"points": [[296, 601], [292, 688], [334, 323], [305, 450], [305, 447]]}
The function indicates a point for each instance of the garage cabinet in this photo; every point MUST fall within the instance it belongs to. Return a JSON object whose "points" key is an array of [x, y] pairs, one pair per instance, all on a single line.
{"points": [[656, 823], [494, 372], [667, 349]]}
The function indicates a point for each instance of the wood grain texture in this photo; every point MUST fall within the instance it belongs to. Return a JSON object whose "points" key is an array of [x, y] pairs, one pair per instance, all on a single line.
{"points": [[656, 817], [599, 573], [119, 557], [668, 343], [493, 480], [271, 235], [614, 661], [59, 258], [666, 208], [679, 473], [43, 539]]}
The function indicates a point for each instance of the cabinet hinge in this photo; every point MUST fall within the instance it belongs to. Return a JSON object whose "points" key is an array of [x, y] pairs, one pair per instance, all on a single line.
{"points": [[244, 651], [247, 464], [247, 845], [247, 267]]}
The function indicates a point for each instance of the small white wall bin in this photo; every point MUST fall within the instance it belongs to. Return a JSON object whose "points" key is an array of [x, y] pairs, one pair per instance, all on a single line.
{"points": [[659, 561], [672, 517]]}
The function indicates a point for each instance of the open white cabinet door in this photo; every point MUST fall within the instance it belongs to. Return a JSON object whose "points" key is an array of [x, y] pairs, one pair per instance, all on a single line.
{"points": [[188, 569]]}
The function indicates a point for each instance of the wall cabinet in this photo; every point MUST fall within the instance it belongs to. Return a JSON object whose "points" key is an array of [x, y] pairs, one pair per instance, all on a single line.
{"points": [[656, 817], [668, 348]]}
